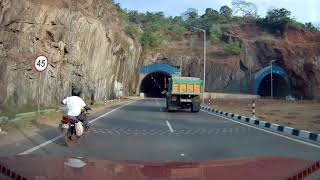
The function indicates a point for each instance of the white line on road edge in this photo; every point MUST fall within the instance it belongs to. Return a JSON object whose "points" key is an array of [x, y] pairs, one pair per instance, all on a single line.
{"points": [[60, 136], [286, 137], [41, 145], [157, 101], [170, 127], [110, 112]]}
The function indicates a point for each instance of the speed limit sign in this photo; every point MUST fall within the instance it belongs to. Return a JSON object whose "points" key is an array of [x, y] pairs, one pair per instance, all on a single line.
{"points": [[41, 63]]}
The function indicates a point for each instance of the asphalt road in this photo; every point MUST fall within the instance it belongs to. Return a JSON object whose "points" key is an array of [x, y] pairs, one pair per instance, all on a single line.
{"points": [[143, 130]]}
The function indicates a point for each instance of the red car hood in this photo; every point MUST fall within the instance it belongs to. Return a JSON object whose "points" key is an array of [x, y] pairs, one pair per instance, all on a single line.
{"points": [[35, 167]]}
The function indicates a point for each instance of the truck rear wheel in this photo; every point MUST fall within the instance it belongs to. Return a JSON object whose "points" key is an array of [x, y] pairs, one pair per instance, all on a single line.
{"points": [[195, 107], [168, 107]]}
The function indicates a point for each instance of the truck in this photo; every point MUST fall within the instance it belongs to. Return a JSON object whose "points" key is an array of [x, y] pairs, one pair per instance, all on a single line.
{"points": [[183, 93]]}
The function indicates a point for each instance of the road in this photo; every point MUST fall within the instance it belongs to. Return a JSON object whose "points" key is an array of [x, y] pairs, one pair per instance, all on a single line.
{"points": [[143, 130]]}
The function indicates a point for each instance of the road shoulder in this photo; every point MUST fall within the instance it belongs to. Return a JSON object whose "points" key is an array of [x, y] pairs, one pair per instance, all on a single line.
{"points": [[30, 132]]}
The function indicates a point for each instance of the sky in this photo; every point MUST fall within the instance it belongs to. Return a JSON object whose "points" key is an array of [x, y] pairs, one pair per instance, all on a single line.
{"points": [[302, 10]]}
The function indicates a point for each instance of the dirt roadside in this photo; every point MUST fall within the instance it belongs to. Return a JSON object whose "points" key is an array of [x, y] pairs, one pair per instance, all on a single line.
{"points": [[297, 114], [16, 131]]}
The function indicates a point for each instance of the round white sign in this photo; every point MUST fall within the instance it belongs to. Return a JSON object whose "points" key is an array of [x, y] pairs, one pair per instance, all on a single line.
{"points": [[41, 63]]}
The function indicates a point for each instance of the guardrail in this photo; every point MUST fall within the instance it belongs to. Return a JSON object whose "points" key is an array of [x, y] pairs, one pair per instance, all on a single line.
{"points": [[208, 95], [304, 134]]}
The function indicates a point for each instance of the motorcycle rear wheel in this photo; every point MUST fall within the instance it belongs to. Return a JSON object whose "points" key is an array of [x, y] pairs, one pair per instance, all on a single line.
{"points": [[69, 137]]}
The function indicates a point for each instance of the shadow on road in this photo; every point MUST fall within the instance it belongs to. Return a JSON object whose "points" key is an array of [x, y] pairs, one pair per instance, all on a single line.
{"points": [[141, 108]]}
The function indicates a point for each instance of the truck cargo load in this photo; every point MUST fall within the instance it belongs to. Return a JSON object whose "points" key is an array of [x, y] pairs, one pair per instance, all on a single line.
{"points": [[184, 92]]}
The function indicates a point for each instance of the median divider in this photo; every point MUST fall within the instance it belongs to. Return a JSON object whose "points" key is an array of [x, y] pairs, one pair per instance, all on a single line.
{"points": [[304, 134]]}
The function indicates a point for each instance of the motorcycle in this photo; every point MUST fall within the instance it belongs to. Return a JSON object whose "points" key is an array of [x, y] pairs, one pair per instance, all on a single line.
{"points": [[67, 127]]}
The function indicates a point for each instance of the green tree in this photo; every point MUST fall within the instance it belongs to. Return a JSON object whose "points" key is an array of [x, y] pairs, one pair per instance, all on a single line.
{"points": [[191, 13], [233, 48], [215, 34], [132, 30], [311, 27], [210, 13], [136, 17], [244, 8], [150, 39], [277, 19], [226, 11]]}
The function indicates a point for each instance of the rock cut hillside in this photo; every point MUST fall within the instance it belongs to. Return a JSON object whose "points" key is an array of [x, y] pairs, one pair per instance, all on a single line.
{"points": [[83, 40], [296, 51]]}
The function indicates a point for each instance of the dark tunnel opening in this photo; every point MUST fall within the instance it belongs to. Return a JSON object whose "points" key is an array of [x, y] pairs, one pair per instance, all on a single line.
{"points": [[154, 83], [280, 86]]}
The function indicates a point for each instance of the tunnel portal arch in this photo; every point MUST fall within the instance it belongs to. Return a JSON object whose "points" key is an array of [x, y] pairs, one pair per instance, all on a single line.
{"points": [[154, 77], [281, 82]]}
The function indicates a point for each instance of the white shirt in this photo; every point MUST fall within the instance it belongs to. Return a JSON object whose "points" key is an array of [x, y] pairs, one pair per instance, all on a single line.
{"points": [[74, 105]]}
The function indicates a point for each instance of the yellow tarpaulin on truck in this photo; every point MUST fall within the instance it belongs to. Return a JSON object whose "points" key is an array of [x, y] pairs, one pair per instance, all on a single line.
{"points": [[186, 85]]}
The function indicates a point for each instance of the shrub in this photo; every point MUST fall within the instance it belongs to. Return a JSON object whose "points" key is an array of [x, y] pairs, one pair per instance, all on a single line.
{"points": [[233, 48], [215, 34], [177, 30], [150, 39], [132, 30], [109, 1]]}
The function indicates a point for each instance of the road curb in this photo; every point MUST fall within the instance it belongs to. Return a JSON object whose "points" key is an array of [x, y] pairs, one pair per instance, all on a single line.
{"points": [[304, 134]]}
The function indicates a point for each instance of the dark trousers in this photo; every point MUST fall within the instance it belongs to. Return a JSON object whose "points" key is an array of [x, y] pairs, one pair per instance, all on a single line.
{"points": [[83, 118]]}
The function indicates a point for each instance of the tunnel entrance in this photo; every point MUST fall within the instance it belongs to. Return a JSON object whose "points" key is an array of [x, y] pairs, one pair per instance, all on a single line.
{"points": [[154, 83], [280, 86]]}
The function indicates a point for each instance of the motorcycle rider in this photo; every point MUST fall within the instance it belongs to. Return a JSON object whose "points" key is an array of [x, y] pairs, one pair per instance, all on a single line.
{"points": [[76, 107]]}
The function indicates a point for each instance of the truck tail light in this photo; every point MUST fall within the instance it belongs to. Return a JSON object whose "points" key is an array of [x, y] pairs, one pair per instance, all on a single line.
{"points": [[173, 98], [175, 88], [197, 88]]}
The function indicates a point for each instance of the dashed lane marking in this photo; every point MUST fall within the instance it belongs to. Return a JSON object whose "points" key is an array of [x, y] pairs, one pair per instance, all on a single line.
{"points": [[168, 132], [60, 136], [170, 127]]}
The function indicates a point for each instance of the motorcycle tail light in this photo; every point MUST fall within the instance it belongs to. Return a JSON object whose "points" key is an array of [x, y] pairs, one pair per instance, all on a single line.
{"points": [[65, 119]]}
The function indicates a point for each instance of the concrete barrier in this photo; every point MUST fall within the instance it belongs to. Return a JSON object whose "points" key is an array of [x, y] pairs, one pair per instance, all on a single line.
{"points": [[288, 130], [262, 123], [2, 119], [304, 134], [252, 120], [208, 95], [274, 126]]}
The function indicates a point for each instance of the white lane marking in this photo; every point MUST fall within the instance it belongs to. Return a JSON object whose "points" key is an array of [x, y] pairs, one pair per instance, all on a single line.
{"points": [[60, 136], [170, 127], [280, 135], [41, 145], [110, 112]]}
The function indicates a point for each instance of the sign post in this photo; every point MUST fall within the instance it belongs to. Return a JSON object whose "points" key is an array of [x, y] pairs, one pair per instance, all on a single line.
{"points": [[40, 65]]}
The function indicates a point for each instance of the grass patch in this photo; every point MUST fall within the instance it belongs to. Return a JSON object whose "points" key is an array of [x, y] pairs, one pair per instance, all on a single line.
{"points": [[11, 111]]}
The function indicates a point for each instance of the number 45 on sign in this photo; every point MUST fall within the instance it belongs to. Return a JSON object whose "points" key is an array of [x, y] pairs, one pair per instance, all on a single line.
{"points": [[41, 63]]}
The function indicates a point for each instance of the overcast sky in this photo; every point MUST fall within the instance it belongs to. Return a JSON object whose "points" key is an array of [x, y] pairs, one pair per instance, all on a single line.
{"points": [[302, 10]]}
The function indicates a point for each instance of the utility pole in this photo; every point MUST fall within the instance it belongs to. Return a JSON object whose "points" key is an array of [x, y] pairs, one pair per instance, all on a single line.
{"points": [[181, 67], [271, 83], [204, 60]]}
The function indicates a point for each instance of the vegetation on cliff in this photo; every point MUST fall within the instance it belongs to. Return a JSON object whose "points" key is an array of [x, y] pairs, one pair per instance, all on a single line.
{"points": [[152, 29]]}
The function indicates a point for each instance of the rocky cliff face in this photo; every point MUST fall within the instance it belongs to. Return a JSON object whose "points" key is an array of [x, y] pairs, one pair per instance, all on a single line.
{"points": [[83, 40], [85, 43], [296, 51]]}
